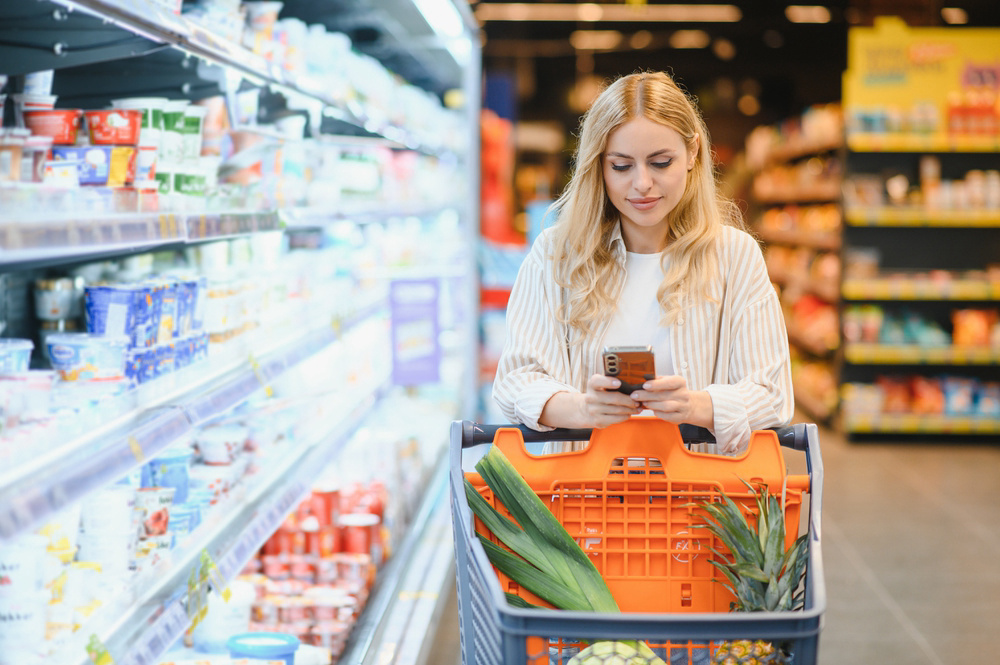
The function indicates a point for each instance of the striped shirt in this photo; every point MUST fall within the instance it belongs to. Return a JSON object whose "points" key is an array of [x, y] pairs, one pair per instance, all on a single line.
{"points": [[735, 346]]}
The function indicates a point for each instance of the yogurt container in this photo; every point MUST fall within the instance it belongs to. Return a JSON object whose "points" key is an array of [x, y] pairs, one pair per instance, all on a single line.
{"points": [[61, 125], [15, 355], [79, 356], [219, 445], [114, 126], [171, 469], [20, 565], [151, 120], [264, 646], [110, 309]]}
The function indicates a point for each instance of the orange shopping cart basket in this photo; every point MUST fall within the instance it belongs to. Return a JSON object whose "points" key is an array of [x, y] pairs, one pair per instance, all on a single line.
{"points": [[626, 498]]}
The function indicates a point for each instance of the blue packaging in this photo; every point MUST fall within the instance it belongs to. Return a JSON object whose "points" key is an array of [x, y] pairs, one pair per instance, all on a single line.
{"points": [[144, 323], [109, 309], [171, 468], [198, 299], [264, 646]]}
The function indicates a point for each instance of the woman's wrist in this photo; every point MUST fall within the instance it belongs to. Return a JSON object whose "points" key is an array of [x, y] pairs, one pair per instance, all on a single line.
{"points": [[563, 409], [702, 413]]}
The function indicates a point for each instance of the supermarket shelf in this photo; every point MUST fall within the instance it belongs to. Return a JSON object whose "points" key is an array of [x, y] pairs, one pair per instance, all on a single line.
{"points": [[873, 142], [823, 240], [140, 632], [360, 211], [887, 423], [912, 354], [161, 26], [410, 593], [794, 150], [817, 194], [61, 238], [183, 401], [914, 216], [919, 289], [823, 290]]}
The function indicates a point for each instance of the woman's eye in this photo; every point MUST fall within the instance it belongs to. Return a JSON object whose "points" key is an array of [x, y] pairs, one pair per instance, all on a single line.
{"points": [[620, 167], [663, 165]]}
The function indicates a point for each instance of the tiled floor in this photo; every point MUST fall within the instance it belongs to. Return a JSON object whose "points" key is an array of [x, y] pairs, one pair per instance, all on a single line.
{"points": [[911, 549]]}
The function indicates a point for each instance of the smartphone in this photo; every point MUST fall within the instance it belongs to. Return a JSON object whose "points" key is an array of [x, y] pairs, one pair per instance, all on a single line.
{"points": [[632, 365]]}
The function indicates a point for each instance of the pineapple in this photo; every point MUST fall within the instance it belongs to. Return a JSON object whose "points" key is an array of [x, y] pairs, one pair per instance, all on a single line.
{"points": [[762, 575], [617, 653], [747, 652]]}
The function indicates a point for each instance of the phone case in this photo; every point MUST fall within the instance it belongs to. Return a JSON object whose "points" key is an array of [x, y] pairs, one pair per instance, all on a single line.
{"points": [[633, 366]]}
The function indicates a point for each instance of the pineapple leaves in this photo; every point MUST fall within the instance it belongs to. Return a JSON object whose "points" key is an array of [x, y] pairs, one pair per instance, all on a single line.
{"points": [[547, 561], [762, 575]]}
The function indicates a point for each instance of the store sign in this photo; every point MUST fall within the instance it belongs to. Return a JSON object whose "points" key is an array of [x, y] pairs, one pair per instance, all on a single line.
{"points": [[416, 349]]}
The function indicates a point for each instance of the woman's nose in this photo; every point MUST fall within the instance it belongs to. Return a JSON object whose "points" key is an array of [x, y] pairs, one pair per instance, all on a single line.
{"points": [[642, 181]]}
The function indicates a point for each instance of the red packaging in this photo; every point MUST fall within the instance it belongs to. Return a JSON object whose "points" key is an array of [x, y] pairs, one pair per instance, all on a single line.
{"points": [[114, 126], [61, 124]]}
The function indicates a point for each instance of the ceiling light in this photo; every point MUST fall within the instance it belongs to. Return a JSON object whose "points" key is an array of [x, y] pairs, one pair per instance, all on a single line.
{"points": [[595, 40], [689, 39], [807, 14], [954, 15], [447, 23], [619, 13]]}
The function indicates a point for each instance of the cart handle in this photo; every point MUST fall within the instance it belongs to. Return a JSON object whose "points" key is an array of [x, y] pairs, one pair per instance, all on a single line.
{"points": [[790, 436]]}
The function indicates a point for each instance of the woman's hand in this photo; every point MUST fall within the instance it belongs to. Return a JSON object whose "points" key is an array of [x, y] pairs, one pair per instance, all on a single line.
{"points": [[600, 406], [669, 399]]}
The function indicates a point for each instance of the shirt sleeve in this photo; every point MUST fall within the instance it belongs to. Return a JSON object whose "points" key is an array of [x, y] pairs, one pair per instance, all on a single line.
{"points": [[534, 362], [759, 392]]}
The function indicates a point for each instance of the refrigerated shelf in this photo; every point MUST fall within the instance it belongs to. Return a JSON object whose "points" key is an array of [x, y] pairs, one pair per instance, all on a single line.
{"points": [[914, 354]]}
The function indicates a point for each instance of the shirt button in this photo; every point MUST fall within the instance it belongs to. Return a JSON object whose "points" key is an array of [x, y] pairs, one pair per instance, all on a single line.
{"points": [[680, 321], [684, 364]]}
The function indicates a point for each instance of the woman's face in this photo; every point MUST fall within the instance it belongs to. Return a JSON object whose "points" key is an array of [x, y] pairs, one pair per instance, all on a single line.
{"points": [[645, 172]]}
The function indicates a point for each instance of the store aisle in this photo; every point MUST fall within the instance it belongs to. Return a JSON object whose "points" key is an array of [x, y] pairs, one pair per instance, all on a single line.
{"points": [[911, 547]]}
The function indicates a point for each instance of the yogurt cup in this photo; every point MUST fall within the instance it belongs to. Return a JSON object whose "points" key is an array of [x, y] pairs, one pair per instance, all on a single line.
{"points": [[219, 445], [80, 356], [194, 120], [20, 563], [34, 154], [171, 469], [172, 139], [151, 122], [15, 355], [39, 83], [110, 309], [264, 646], [154, 510], [114, 126], [60, 124]]}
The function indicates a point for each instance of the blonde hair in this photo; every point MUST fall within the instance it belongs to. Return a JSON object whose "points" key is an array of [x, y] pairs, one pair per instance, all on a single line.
{"points": [[585, 264]]}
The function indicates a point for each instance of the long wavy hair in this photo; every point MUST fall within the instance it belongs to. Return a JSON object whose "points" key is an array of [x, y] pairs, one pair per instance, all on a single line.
{"points": [[585, 264]]}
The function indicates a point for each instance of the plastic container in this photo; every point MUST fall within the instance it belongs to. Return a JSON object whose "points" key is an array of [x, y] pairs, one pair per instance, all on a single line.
{"points": [[264, 646], [172, 139], [194, 121], [93, 162], [640, 532], [20, 561], [34, 154], [225, 618], [151, 122], [11, 153], [219, 445], [171, 468], [79, 356], [111, 309], [55, 298], [15, 355], [114, 126], [60, 124]]}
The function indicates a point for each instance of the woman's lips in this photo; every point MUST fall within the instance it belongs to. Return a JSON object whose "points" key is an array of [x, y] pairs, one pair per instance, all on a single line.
{"points": [[644, 204]]}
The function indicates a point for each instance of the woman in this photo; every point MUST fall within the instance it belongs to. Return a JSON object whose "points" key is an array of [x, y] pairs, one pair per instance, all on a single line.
{"points": [[646, 251]]}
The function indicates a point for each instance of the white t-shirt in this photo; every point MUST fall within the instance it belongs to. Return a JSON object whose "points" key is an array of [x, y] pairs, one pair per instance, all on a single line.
{"points": [[637, 319]]}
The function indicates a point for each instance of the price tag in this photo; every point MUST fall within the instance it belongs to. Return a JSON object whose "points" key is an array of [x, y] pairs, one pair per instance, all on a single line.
{"points": [[133, 444], [210, 571], [260, 376], [97, 652]]}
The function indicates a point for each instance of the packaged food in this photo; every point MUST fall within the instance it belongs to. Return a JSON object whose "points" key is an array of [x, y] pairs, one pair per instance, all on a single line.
{"points": [[78, 356], [110, 309], [114, 126], [15, 355], [56, 298], [11, 151], [151, 121], [61, 125], [170, 468]]}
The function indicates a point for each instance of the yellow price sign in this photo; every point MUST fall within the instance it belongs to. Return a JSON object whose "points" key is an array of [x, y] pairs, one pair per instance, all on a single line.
{"points": [[133, 444], [255, 366]]}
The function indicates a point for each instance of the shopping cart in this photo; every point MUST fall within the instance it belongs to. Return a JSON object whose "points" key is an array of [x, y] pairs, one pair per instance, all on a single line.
{"points": [[627, 499]]}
